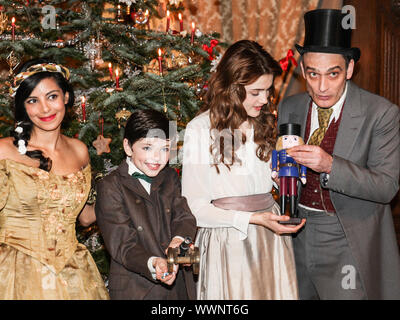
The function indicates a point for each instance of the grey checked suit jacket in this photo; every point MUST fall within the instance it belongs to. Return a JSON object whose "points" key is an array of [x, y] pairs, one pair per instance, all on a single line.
{"points": [[363, 181]]}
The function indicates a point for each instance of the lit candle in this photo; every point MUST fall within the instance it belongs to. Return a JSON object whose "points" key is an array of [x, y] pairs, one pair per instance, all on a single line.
{"points": [[13, 28], [133, 16], [159, 62], [168, 21], [83, 105], [192, 36], [180, 22], [119, 15], [110, 70], [117, 79], [146, 14]]}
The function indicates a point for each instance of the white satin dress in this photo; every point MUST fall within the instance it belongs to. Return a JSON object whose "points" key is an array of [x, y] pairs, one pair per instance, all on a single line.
{"points": [[239, 261]]}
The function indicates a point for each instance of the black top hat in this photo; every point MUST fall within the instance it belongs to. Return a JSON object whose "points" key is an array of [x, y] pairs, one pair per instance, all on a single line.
{"points": [[325, 33], [289, 129]]}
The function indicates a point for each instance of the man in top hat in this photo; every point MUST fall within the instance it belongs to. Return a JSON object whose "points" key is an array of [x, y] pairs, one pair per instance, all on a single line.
{"points": [[348, 248]]}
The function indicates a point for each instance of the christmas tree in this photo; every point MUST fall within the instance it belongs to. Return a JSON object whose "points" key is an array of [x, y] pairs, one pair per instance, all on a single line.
{"points": [[122, 55]]}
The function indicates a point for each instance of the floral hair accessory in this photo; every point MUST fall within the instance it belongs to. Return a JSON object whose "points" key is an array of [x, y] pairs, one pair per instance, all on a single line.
{"points": [[43, 67], [19, 129], [22, 147]]}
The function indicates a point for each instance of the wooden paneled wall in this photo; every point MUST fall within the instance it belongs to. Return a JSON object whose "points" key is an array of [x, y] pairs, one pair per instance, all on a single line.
{"points": [[389, 28], [377, 34]]}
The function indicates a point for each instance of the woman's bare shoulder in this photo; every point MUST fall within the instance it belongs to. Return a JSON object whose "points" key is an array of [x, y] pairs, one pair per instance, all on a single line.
{"points": [[7, 149], [78, 149]]}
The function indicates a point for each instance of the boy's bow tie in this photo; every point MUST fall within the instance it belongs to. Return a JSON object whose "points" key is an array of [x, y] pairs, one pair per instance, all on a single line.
{"points": [[142, 176]]}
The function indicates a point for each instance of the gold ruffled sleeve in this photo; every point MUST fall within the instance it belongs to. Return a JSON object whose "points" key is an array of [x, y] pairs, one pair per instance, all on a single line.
{"points": [[4, 189]]}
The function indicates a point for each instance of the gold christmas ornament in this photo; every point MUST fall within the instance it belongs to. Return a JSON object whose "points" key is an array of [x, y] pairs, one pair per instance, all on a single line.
{"points": [[122, 116], [152, 67], [141, 18], [3, 22], [13, 62], [177, 60]]}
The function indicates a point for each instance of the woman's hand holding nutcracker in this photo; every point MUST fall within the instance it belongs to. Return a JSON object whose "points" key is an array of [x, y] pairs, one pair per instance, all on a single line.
{"points": [[271, 221], [275, 178]]}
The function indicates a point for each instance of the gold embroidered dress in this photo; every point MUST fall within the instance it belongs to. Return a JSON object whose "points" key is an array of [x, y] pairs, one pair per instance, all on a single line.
{"points": [[40, 257]]}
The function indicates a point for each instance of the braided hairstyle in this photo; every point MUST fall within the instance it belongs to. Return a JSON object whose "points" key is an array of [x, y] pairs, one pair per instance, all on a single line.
{"points": [[23, 132]]}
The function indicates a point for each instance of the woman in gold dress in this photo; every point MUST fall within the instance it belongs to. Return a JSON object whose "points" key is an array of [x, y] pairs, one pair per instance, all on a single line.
{"points": [[44, 183]]}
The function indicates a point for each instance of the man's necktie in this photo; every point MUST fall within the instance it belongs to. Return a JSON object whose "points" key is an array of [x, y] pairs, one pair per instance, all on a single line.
{"points": [[142, 176], [323, 119]]}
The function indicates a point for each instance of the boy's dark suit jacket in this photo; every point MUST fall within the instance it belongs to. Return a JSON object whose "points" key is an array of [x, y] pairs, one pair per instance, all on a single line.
{"points": [[136, 226]]}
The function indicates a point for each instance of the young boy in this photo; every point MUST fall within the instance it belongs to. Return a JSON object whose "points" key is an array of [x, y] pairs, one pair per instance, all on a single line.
{"points": [[140, 212]]}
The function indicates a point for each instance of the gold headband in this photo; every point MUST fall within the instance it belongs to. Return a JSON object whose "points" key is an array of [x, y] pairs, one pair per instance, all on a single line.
{"points": [[43, 67]]}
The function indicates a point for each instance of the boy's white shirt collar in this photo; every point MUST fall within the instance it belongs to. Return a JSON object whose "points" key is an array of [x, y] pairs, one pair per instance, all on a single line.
{"points": [[131, 167]]}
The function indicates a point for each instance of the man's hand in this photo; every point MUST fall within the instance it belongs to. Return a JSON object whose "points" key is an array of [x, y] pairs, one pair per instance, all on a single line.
{"points": [[161, 266], [313, 157]]}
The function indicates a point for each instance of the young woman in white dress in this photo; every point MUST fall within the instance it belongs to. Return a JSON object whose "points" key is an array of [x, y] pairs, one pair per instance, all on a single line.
{"points": [[245, 252]]}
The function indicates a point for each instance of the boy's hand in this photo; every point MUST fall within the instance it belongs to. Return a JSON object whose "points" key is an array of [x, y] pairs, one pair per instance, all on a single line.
{"points": [[160, 264], [175, 243]]}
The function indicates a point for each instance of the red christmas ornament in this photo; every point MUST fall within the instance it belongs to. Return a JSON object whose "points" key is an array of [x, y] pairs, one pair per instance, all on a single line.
{"points": [[209, 49]]}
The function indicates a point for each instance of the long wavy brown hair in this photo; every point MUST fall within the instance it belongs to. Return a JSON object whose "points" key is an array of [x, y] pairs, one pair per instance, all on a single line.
{"points": [[242, 64]]}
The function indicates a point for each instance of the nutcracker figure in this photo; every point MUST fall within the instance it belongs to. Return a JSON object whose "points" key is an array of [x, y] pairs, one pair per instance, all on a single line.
{"points": [[289, 171]]}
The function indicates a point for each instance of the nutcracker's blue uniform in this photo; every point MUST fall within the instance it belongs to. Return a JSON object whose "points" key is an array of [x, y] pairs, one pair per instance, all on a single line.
{"points": [[288, 175], [288, 167]]}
